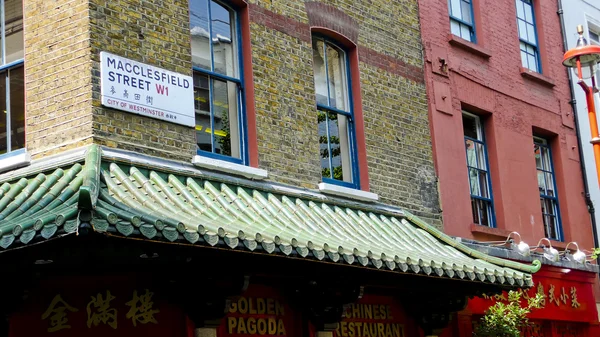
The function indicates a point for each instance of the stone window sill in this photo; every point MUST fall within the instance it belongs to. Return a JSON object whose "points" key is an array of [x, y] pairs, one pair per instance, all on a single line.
{"points": [[231, 168], [469, 46], [537, 77], [347, 192], [497, 232], [13, 160]]}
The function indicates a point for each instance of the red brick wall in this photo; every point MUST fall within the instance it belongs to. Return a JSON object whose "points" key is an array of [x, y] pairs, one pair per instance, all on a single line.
{"points": [[486, 78]]}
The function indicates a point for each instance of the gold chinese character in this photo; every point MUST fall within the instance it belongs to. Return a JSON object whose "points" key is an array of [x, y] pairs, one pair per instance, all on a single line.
{"points": [[57, 314], [525, 294], [102, 313], [563, 296], [485, 296], [574, 303], [143, 311], [551, 295], [500, 297], [542, 291]]}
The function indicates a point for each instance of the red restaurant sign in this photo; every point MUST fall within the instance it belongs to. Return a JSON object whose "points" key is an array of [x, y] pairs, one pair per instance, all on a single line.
{"points": [[568, 296]]}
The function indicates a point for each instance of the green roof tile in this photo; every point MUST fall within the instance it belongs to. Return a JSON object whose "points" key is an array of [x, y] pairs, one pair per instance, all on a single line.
{"points": [[151, 204]]}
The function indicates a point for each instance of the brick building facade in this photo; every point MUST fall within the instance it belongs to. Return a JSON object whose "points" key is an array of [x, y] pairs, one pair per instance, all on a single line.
{"points": [[63, 87], [504, 140]]}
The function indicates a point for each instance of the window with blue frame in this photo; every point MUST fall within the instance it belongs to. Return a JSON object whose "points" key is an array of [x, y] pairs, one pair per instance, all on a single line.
{"points": [[547, 188], [218, 85], [482, 205], [12, 77], [530, 54], [462, 23], [335, 119]]}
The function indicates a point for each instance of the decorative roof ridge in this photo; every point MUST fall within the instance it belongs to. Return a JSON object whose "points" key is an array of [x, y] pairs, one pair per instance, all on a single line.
{"points": [[88, 192], [185, 169], [535, 266]]}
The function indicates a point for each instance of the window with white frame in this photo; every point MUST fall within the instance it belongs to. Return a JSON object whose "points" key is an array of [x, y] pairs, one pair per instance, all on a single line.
{"points": [[482, 205], [12, 78], [335, 119], [547, 188], [461, 19], [218, 85], [530, 53]]}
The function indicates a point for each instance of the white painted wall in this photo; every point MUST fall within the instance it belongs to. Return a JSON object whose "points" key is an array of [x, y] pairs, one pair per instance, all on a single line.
{"points": [[584, 12]]}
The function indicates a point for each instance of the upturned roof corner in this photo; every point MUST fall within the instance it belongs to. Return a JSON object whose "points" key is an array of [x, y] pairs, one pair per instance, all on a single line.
{"points": [[88, 192]]}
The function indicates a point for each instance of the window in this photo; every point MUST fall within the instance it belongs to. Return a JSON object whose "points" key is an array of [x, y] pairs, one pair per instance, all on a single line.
{"points": [[335, 120], [530, 55], [594, 33], [461, 19], [12, 77], [482, 205], [218, 87], [547, 187]]}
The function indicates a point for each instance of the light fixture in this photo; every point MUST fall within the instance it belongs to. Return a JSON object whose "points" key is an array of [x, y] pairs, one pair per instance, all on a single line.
{"points": [[578, 256], [583, 58], [522, 248], [550, 253]]}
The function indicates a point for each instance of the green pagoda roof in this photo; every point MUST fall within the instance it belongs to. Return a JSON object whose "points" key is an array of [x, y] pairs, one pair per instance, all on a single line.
{"points": [[144, 199]]}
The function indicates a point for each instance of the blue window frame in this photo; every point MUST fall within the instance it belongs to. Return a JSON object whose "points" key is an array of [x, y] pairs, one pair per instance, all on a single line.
{"points": [[530, 54], [12, 77], [218, 83], [482, 204], [337, 141], [547, 188], [462, 22]]}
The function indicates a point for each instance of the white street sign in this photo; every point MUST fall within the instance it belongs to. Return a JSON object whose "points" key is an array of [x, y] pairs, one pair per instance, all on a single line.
{"points": [[146, 90]]}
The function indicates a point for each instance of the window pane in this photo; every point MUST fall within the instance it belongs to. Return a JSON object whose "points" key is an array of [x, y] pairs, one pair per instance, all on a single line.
{"points": [[13, 17], [466, 11], [455, 8], [471, 153], [319, 72], [226, 118], [470, 127], [474, 182], [481, 212], [481, 156], [336, 65], [550, 185], [3, 111], [465, 32], [483, 184], [524, 59], [324, 145], [541, 182], [520, 11], [223, 33], [528, 13], [17, 109], [455, 27], [522, 30], [202, 105], [338, 135], [538, 156], [199, 30], [532, 62], [531, 34]]}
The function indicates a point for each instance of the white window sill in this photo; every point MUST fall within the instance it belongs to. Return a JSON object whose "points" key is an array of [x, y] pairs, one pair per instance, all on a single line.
{"points": [[12, 161], [347, 192], [231, 168]]}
